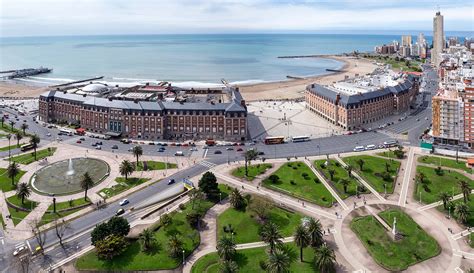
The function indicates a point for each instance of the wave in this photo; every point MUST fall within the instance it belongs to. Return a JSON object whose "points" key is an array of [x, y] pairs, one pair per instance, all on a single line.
{"points": [[53, 79], [135, 79], [248, 82]]}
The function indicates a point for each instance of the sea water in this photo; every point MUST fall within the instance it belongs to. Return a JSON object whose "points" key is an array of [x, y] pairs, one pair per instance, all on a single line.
{"points": [[182, 59]]}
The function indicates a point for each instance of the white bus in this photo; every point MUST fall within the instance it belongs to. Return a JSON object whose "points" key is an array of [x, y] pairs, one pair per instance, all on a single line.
{"points": [[300, 138], [65, 132], [390, 143]]}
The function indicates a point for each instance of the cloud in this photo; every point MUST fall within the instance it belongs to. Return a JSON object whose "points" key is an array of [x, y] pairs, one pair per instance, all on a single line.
{"points": [[79, 17]]}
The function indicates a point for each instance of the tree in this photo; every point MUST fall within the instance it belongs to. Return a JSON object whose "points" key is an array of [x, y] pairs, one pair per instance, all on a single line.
{"points": [[270, 234], [344, 182], [12, 123], [387, 167], [236, 199], [274, 178], [39, 234], [18, 137], [278, 261], [249, 155], [118, 225], [208, 184], [99, 233], [165, 220], [360, 162], [196, 196], [126, 168], [462, 212], [60, 228], [315, 231], [226, 248], [420, 178], [23, 127], [331, 173], [86, 184], [194, 218], [228, 266], [111, 246], [302, 239], [465, 189], [175, 246], [23, 191], [399, 153], [12, 171], [35, 140], [260, 206], [445, 197], [325, 259], [349, 170], [147, 239], [137, 152]]}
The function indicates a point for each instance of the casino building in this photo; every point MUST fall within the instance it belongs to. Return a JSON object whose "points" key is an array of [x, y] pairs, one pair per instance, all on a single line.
{"points": [[149, 111], [355, 102]]}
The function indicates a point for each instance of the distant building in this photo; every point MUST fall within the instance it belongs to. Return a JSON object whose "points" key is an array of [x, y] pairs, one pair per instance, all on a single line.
{"points": [[453, 41], [406, 40], [438, 39]]}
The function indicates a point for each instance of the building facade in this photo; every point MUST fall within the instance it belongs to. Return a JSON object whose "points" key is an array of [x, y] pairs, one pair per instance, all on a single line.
{"points": [[438, 38]]}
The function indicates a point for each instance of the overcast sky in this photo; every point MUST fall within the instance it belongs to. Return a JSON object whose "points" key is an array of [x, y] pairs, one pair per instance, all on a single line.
{"points": [[84, 17]]}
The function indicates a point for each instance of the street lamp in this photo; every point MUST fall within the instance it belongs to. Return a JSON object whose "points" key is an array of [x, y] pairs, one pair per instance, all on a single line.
{"points": [[183, 257], [220, 197]]}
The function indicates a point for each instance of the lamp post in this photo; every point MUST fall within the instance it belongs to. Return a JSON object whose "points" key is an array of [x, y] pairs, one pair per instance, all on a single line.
{"points": [[420, 196], [183, 257], [220, 197], [54, 204]]}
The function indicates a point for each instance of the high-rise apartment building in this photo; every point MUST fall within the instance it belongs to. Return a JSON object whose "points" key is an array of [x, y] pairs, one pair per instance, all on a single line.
{"points": [[406, 40], [438, 39]]}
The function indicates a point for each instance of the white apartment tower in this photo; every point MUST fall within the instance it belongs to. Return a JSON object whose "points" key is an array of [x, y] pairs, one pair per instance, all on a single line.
{"points": [[438, 39]]}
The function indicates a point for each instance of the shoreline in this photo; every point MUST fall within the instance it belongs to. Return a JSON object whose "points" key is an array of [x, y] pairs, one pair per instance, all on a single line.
{"points": [[280, 89]]}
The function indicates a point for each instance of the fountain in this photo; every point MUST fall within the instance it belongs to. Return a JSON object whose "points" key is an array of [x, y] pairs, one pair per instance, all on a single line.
{"points": [[70, 168]]}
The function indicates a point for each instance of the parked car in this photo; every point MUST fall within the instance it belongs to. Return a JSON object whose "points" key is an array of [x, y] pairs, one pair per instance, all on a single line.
{"points": [[82, 139], [370, 147], [171, 181], [359, 149], [120, 212], [19, 250], [239, 150], [179, 153], [124, 202], [229, 149], [115, 147], [261, 153], [217, 152]]}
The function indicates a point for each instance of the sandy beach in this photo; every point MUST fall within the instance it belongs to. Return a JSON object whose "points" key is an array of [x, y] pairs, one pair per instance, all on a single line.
{"points": [[285, 89]]}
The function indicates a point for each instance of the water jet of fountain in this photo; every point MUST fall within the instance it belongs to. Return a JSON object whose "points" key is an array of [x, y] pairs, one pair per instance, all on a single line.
{"points": [[70, 169]]}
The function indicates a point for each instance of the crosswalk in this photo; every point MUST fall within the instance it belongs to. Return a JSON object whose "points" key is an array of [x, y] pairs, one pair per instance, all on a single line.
{"points": [[207, 164]]}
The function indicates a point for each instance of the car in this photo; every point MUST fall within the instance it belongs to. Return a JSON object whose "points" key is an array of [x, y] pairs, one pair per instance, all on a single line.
{"points": [[48, 134], [19, 250], [38, 250], [24, 120], [171, 181], [261, 153], [239, 150], [94, 144], [179, 153], [164, 144], [99, 143], [229, 149], [151, 143], [124, 202], [217, 152], [119, 212], [370, 147], [82, 139], [115, 147], [161, 149], [359, 148], [98, 147], [194, 149], [79, 141]]}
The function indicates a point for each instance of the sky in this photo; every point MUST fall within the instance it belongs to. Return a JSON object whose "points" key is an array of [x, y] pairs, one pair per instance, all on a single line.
{"points": [[97, 17]]}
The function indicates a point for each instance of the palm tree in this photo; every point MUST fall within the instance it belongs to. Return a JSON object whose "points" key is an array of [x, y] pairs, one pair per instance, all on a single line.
{"points": [[23, 127], [462, 212], [12, 123], [331, 172], [325, 259], [360, 162], [147, 239], [315, 231], [23, 191], [278, 261], [35, 140], [270, 234], [236, 199], [9, 136], [445, 197], [126, 168], [175, 245], [13, 170], [18, 136], [465, 189], [387, 167], [228, 266], [86, 184], [302, 239], [137, 152], [344, 182], [420, 177], [226, 248], [349, 170], [250, 155]]}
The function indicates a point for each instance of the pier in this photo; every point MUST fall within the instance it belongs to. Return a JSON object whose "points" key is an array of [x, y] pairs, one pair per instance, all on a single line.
{"points": [[79, 81], [21, 73]]}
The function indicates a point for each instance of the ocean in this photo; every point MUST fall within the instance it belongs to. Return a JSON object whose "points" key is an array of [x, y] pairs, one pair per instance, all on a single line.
{"points": [[182, 59]]}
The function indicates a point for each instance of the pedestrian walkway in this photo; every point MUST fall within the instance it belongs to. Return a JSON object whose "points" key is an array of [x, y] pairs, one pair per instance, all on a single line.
{"points": [[381, 221], [439, 203], [407, 167], [261, 244]]}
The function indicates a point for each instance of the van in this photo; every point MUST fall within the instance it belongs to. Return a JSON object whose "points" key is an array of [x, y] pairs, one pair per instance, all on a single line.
{"points": [[359, 149], [370, 147], [179, 153]]}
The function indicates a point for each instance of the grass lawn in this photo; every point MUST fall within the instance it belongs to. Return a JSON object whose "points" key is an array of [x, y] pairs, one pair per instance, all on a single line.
{"points": [[2, 222], [248, 260], [6, 182], [448, 182], [471, 240], [2, 149], [444, 162], [49, 215], [19, 215], [28, 157], [372, 170], [339, 174], [122, 186], [246, 226], [254, 171], [8, 128], [157, 259], [388, 154], [154, 165], [293, 183], [399, 65], [470, 203], [415, 245]]}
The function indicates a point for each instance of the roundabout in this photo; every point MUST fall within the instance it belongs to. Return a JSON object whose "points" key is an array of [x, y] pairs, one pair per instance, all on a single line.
{"points": [[64, 177]]}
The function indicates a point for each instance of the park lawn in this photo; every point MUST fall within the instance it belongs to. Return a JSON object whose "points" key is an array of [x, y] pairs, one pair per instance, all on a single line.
{"points": [[28, 158], [448, 182], [122, 186], [49, 215], [470, 204], [372, 169], [415, 245], [154, 165], [253, 170], [444, 162], [471, 240], [2, 149], [8, 129], [246, 226], [2, 222], [248, 260], [340, 173], [309, 189], [389, 154], [133, 259], [400, 65], [18, 216], [6, 182]]}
